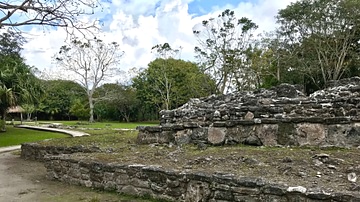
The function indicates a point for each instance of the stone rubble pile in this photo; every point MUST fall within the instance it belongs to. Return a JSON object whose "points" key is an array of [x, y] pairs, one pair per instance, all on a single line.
{"points": [[282, 115]]}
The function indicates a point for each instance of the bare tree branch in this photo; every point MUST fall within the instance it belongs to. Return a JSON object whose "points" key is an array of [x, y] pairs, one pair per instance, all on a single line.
{"points": [[55, 13], [92, 62]]}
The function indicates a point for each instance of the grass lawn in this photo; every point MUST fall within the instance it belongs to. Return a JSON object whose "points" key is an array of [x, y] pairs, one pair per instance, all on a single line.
{"points": [[112, 125], [16, 136]]}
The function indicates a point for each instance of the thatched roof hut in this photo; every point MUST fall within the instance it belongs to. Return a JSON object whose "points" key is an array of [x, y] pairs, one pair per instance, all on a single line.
{"points": [[16, 109]]}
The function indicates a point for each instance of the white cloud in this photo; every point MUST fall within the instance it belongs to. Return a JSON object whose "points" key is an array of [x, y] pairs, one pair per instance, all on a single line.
{"points": [[138, 25]]}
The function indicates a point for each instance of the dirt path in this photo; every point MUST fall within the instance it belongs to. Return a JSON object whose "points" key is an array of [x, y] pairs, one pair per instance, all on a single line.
{"points": [[25, 181], [15, 184]]}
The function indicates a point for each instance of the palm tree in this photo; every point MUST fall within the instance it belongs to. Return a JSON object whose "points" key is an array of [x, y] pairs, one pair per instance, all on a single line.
{"points": [[18, 84], [6, 100]]}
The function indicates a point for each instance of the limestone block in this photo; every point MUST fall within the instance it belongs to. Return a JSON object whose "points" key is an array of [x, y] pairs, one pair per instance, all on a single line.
{"points": [[197, 191], [267, 134], [216, 136], [310, 134]]}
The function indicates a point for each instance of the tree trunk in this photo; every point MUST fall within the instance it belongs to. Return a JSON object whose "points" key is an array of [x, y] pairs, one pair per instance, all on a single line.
{"points": [[91, 104], [278, 70], [3, 122], [127, 118]]}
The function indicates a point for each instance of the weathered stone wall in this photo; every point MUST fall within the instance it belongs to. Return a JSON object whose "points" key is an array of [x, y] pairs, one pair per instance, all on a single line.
{"points": [[282, 115], [175, 185], [36, 151]]}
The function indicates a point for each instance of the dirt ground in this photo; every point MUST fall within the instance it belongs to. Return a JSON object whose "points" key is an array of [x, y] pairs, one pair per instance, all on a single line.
{"points": [[25, 181], [328, 169]]}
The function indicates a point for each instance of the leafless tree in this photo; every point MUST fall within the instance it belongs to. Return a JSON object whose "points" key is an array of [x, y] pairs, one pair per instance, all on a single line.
{"points": [[92, 62], [222, 44], [56, 13]]}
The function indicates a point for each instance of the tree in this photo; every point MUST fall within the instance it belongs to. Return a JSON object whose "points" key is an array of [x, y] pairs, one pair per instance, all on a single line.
{"points": [[186, 79], [117, 102], [92, 62], [18, 84], [79, 109], [322, 33], [58, 97], [163, 84], [222, 45], [58, 13], [29, 109]]}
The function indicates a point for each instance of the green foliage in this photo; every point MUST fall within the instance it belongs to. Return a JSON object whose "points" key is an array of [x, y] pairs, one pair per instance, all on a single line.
{"points": [[321, 38], [79, 109], [58, 97], [18, 84], [116, 102], [29, 109], [169, 83], [2, 125]]}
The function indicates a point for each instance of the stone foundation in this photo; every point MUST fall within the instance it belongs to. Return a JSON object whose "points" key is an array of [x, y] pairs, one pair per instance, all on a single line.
{"points": [[36, 151], [282, 115], [176, 185]]}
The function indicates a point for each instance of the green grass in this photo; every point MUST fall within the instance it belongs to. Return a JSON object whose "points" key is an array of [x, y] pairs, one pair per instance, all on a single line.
{"points": [[110, 124], [16, 136]]}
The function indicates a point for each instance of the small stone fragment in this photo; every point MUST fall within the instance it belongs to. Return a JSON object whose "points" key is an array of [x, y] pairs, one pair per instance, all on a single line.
{"points": [[187, 167], [318, 174], [249, 116], [257, 120], [319, 156], [287, 160], [352, 177], [202, 146], [217, 113], [299, 189], [332, 167], [317, 162], [302, 174]]}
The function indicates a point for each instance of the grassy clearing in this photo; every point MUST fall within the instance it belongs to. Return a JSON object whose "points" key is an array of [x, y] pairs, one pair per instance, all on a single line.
{"points": [[16, 136], [103, 139], [103, 125]]}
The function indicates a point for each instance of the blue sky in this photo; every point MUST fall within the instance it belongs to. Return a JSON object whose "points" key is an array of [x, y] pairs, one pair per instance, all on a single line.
{"points": [[200, 7], [138, 25]]}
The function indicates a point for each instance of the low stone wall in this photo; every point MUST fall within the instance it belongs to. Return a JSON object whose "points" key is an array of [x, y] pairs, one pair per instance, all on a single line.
{"points": [[175, 185], [268, 133], [36, 151], [282, 115]]}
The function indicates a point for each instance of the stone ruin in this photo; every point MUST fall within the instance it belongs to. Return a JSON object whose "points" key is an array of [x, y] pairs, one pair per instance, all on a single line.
{"points": [[280, 116]]}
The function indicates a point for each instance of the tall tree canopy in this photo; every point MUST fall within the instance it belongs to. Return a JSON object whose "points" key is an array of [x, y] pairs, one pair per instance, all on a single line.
{"points": [[183, 80], [223, 42], [58, 97], [323, 37], [18, 84], [117, 102], [92, 62]]}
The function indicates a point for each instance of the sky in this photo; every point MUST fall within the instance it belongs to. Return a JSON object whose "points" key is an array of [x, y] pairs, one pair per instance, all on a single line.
{"points": [[138, 25]]}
